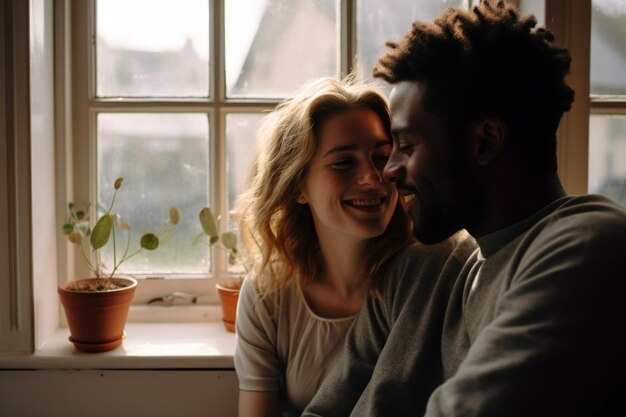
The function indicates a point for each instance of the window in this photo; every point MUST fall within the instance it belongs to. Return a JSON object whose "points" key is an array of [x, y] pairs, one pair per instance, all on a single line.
{"points": [[170, 95], [607, 124]]}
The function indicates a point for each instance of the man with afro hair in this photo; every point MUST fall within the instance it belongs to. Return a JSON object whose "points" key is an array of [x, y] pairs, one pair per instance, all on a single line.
{"points": [[534, 324]]}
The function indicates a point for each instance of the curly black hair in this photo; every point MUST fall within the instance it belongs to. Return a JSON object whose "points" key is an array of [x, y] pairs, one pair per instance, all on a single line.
{"points": [[488, 62]]}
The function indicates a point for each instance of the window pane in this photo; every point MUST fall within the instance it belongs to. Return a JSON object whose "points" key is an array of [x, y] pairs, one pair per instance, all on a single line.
{"points": [[381, 20], [608, 47], [276, 45], [152, 48], [607, 157], [164, 161], [241, 135]]}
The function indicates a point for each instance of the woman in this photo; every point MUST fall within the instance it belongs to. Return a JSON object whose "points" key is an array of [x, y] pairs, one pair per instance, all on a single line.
{"points": [[319, 223]]}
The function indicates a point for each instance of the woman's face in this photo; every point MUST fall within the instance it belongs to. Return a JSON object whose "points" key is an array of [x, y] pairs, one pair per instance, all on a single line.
{"points": [[344, 186]]}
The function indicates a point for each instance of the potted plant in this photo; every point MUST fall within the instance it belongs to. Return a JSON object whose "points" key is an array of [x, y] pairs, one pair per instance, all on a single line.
{"points": [[97, 308], [227, 289]]}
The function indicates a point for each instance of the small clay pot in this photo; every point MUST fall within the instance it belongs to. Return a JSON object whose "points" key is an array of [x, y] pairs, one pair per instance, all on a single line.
{"points": [[96, 319], [228, 291]]}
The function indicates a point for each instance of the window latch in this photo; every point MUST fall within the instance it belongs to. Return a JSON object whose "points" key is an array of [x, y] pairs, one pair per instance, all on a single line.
{"points": [[169, 299]]}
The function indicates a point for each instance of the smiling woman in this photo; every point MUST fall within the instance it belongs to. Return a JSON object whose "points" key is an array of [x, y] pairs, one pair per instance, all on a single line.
{"points": [[319, 223]]}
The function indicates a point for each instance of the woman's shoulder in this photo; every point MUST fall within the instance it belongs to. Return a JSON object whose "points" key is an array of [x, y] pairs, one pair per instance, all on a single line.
{"points": [[253, 293]]}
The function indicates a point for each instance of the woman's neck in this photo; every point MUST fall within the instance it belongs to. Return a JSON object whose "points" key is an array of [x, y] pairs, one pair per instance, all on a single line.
{"points": [[338, 292], [343, 258]]}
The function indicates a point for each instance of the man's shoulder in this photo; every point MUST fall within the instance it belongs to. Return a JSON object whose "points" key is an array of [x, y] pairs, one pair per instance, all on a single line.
{"points": [[419, 263], [587, 216], [587, 229], [459, 246]]}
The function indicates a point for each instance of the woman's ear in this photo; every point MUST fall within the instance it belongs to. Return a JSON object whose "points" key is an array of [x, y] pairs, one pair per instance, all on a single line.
{"points": [[301, 198], [486, 140]]}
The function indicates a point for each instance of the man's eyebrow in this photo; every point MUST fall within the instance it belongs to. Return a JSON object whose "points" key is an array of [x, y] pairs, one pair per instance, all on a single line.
{"points": [[395, 131]]}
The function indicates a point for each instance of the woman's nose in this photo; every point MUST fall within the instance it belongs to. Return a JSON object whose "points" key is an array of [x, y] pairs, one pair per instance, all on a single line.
{"points": [[370, 174]]}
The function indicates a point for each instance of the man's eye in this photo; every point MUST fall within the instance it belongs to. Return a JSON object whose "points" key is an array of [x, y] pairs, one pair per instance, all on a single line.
{"points": [[405, 147]]}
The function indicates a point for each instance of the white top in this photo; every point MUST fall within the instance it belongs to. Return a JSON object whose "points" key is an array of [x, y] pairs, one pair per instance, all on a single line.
{"points": [[283, 345]]}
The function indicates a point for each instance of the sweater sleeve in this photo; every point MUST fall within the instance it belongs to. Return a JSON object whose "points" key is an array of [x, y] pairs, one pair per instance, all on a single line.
{"points": [[554, 346], [256, 359]]}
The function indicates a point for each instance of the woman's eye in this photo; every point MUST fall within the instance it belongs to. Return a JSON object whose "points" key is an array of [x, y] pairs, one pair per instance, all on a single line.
{"points": [[342, 164], [381, 160]]}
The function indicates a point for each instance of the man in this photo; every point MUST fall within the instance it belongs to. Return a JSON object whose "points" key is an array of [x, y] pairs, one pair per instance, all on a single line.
{"points": [[534, 325]]}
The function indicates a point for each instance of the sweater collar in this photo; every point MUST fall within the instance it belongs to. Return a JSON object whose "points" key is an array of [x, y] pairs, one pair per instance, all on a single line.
{"points": [[493, 242]]}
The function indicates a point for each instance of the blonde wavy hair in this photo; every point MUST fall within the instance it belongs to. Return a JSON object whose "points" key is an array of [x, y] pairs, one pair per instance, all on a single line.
{"points": [[278, 232]]}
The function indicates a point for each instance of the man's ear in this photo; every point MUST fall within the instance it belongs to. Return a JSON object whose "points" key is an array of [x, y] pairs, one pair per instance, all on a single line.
{"points": [[486, 140]]}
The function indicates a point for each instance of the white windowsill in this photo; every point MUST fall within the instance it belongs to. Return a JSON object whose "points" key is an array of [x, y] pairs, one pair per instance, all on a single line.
{"points": [[190, 345]]}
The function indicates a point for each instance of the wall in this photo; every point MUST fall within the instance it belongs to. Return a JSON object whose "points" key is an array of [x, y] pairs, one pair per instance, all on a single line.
{"points": [[123, 393]]}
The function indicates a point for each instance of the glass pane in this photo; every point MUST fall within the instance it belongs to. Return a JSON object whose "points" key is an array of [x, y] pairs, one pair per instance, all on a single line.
{"points": [[164, 161], [276, 45], [607, 157], [381, 20], [241, 136], [536, 8], [608, 47], [152, 48]]}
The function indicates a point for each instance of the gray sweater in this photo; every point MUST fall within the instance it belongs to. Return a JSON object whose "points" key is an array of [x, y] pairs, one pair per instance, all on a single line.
{"points": [[533, 327]]}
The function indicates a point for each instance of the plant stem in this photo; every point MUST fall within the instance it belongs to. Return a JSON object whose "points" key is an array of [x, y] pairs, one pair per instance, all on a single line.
{"points": [[86, 259], [115, 264]]}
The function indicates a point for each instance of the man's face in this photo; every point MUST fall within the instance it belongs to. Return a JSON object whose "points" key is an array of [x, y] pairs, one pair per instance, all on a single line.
{"points": [[431, 173]]}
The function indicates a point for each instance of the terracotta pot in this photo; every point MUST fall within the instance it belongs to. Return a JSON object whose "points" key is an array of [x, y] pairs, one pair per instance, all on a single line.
{"points": [[229, 295], [97, 318]]}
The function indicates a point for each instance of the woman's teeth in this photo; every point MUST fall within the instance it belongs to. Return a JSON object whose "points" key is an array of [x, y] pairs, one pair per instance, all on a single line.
{"points": [[365, 203]]}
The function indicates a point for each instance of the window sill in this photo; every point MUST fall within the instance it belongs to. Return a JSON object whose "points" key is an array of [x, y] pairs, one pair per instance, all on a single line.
{"points": [[198, 345]]}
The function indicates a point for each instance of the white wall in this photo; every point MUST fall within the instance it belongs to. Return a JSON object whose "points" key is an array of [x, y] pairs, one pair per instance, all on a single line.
{"points": [[108, 393]]}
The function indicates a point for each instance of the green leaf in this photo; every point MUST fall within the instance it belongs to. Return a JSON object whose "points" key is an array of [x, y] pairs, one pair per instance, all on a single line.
{"points": [[67, 229], [118, 183], [207, 220], [101, 231], [213, 240], [174, 215], [80, 214], [149, 241], [229, 240]]}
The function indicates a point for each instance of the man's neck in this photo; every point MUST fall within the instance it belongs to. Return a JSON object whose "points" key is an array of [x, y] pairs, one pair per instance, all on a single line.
{"points": [[509, 202]]}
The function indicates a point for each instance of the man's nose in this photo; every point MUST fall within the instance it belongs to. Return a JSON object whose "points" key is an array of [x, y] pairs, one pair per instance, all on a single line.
{"points": [[394, 169]]}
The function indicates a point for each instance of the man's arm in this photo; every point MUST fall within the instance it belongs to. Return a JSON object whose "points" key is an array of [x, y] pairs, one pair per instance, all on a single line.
{"points": [[554, 347]]}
